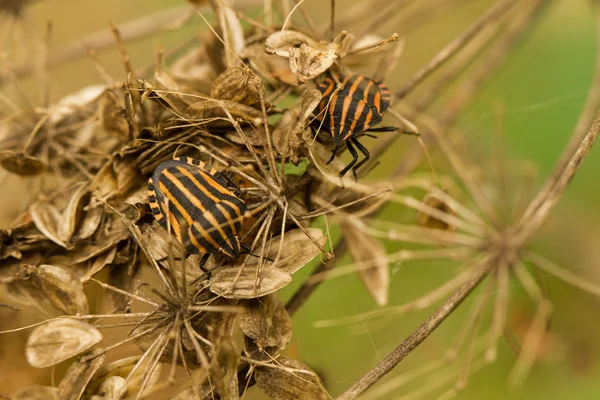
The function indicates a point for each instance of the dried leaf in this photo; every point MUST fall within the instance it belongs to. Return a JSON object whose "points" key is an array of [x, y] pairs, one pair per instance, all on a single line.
{"points": [[288, 136], [113, 116], [59, 340], [78, 375], [297, 250], [21, 164], [266, 322], [308, 62], [239, 85], [110, 389], [248, 282], [62, 290], [207, 110], [440, 204], [281, 42], [140, 196], [195, 69], [290, 379], [365, 248], [71, 216], [37, 393], [90, 223], [127, 278], [47, 219], [123, 368], [232, 31]]}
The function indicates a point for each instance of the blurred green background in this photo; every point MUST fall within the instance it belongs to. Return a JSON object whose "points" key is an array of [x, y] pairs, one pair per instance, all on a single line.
{"points": [[541, 90]]}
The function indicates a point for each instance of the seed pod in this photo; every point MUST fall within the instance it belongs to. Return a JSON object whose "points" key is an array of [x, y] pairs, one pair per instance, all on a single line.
{"points": [[426, 220], [307, 62], [79, 374], [291, 379], [239, 85], [21, 164], [61, 289], [59, 340]]}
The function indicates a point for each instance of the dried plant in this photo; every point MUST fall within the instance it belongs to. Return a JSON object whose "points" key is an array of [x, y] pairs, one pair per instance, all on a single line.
{"points": [[133, 313]]}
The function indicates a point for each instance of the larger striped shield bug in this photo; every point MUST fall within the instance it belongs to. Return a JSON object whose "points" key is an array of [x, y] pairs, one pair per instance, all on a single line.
{"points": [[352, 111], [200, 205]]}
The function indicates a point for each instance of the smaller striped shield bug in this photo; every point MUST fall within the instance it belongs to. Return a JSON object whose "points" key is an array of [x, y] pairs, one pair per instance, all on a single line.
{"points": [[201, 206], [351, 112]]}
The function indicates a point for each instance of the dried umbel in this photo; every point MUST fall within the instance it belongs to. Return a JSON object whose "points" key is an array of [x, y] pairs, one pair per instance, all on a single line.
{"points": [[177, 206]]}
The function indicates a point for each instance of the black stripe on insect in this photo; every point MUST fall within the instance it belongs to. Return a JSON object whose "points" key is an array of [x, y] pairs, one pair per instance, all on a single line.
{"points": [[202, 207], [351, 112]]}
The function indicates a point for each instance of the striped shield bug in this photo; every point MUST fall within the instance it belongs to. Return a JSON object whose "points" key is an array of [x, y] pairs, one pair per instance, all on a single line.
{"points": [[351, 112], [202, 207]]}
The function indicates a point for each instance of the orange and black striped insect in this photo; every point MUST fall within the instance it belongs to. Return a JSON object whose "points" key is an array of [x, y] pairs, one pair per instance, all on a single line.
{"points": [[351, 112], [202, 207]]}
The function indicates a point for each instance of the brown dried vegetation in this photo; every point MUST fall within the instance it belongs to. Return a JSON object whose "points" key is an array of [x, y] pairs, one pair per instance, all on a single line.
{"points": [[89, 230]]}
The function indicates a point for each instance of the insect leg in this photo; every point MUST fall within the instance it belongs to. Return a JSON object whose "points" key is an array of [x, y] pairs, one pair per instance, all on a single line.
{"points": [[363, 150], [393, 129], [248, 250], [335, 149], [202, 263], [354, 159]]}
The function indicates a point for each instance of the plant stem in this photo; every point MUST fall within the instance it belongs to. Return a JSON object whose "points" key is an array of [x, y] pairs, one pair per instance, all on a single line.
{"points": [[454, 46], [419, 335], [580, 143]]}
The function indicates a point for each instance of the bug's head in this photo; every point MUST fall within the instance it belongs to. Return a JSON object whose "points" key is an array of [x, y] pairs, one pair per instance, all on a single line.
{"points": [[231, 247]]}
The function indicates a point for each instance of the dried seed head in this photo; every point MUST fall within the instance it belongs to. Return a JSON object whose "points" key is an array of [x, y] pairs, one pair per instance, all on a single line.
{"points": [[290, 379], [62, 290], [59, 340], [239, 85], [266, 322], [113, 376], [113, 116], [307, 62], [364, 248], [443, 205], [21, 164]]}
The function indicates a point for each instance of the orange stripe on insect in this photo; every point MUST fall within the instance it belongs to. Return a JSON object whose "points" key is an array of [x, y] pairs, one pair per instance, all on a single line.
{"points": [[192, 178], [366, 92], [173, 199], [377, 101], [359, 111], [227, 216]]}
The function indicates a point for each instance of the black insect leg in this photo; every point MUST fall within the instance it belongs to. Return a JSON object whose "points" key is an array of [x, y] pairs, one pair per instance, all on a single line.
{"points": [[363, 150], [248, 250], [333, 153], [393, 129], [354, 159], [203, 261]]}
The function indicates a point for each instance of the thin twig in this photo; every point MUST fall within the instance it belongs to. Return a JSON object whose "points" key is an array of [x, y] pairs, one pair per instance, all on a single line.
{"points": [[453, 47], [540, 206]]}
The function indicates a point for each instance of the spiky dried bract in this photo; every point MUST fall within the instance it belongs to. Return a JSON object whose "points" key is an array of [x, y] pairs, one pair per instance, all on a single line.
{"points": [[288, 379], [58, 340]]}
